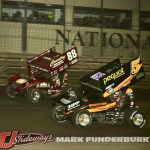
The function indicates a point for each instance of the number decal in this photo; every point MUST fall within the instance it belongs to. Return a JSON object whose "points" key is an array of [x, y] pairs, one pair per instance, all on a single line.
{"points": [[74, 54], [71, 55]]}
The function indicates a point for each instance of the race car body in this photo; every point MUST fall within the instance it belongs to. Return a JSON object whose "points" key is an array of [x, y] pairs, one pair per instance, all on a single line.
{"points": [[107, 97], [47, 75]]}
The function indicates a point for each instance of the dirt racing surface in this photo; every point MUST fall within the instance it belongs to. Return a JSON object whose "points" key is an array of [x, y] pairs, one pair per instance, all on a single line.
{"points": [[18, 114]]}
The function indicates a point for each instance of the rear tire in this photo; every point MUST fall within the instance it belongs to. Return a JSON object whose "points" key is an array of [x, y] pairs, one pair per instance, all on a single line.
{"points": [[82, 119], [135, 118]]}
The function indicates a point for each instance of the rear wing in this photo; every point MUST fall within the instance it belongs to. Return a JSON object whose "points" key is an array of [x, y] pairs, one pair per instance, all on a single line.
{"points": [[114, 76], [52, 62], [92, 80], [128, 73]]}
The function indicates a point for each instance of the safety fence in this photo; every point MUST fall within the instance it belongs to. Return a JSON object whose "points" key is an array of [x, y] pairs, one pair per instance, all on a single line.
{"points": [[11, 63]]}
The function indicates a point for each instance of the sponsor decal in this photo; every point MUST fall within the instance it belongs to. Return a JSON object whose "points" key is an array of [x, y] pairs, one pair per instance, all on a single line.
{"points": [[21, 81], [61, 68], [114, 76], [13, 138], [43, 85], [74, 61], [97, 76], [57, 62], [102, 107], [110, 88], [98, 104], [85, 99], [35, 67], [73, 105]]}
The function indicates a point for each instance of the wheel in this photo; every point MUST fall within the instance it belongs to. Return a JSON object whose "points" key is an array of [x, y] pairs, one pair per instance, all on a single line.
{"points": [[135, 118], [82, 118], [57, 114], [10, 91], [34, 96]]}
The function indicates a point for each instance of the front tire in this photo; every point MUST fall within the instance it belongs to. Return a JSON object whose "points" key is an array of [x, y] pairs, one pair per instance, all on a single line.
{"points": [[135, 118], [82, 118], [34, 96]]}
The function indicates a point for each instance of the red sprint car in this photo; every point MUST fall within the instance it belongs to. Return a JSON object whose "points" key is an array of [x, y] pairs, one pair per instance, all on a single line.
{"points": [[47, 76]]}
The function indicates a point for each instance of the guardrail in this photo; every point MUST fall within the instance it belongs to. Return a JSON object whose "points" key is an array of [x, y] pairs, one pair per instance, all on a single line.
{"points": [[11, 63]]}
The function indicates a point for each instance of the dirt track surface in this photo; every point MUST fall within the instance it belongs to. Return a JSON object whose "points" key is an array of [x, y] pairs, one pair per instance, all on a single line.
{"points": [[17, 114]]}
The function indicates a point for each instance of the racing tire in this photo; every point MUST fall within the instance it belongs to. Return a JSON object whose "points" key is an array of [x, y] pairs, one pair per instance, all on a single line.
{"points": [[9, 91], [134, 118], [82, 119], [57, 114], [34, 96]]}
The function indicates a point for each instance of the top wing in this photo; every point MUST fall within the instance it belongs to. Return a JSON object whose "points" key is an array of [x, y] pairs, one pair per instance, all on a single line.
{"points": [[127, 74], [92, 80], [52, 62]]}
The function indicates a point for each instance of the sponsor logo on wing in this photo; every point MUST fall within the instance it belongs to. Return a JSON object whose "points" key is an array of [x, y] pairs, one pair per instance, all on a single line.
{"points": [[74, 61], [57, 62], [114, 76], [97, 76]]}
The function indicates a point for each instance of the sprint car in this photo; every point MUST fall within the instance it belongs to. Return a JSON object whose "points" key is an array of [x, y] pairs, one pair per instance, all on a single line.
{"points": [[106, 98], [47, 76]]}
